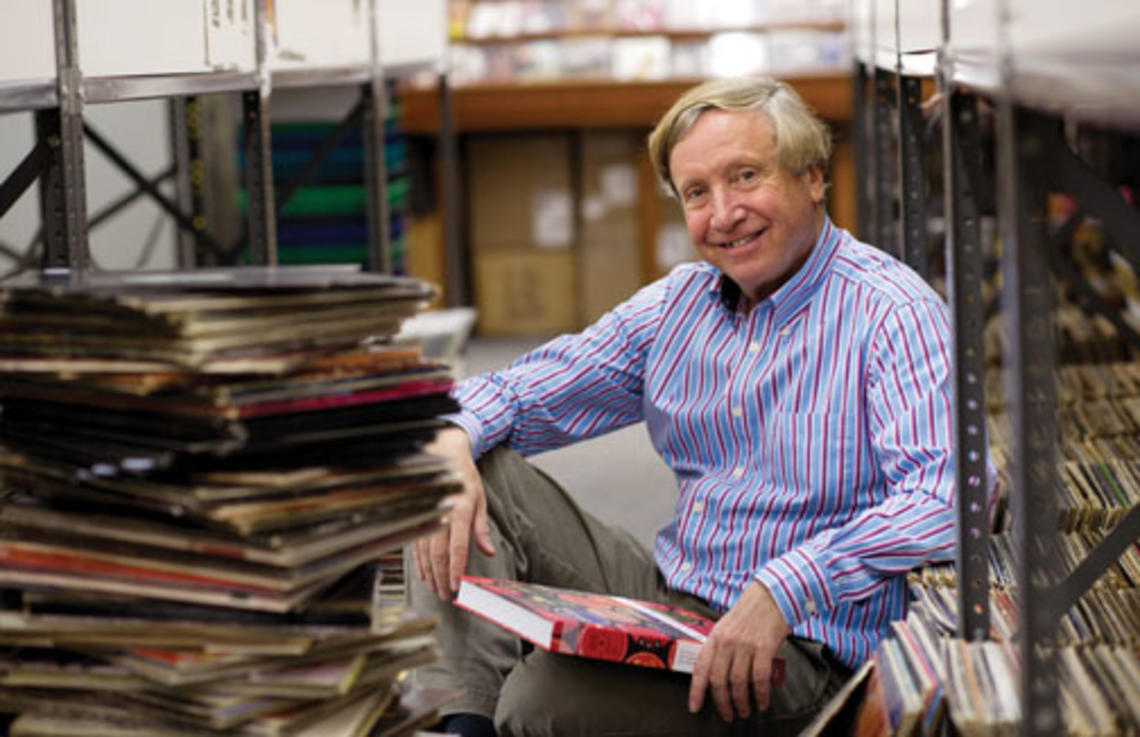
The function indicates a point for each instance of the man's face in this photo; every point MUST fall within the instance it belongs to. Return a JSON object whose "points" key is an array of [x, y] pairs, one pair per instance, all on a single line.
{"points": [[747, 215]]}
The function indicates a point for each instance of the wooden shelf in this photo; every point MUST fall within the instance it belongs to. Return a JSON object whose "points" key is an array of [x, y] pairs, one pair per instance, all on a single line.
{"points": [[673, 34], [588, 104]]}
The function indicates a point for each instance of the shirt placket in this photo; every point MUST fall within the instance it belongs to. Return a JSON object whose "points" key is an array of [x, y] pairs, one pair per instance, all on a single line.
{"points": [[741, 386]]}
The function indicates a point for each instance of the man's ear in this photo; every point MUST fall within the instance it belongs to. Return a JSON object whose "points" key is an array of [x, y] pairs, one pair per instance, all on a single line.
{"points": [[816, 182]]}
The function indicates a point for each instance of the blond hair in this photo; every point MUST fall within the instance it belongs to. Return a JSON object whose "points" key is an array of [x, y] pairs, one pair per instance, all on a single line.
{"points": [[802, 140]]}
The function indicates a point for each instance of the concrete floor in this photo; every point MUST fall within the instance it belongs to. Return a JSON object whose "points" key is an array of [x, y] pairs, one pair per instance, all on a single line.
{"points": [[617, 477]]}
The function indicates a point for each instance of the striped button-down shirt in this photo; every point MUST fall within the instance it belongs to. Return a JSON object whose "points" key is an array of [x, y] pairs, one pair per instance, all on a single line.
{"points": [[810, 436]]}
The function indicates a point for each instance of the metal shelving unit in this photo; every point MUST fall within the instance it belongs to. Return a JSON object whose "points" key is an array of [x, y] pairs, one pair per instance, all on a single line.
{"points": [[890, 128], [1026, 60], [1038, 61], [895, 55], [241, 57]]}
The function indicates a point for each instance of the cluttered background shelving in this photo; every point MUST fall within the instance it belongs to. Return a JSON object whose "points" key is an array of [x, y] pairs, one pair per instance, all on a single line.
{"points": [[1006, 130]]}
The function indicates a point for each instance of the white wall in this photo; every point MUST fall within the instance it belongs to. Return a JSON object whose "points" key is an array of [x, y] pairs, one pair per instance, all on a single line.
{"points": [[140, 130], [19, 225]]}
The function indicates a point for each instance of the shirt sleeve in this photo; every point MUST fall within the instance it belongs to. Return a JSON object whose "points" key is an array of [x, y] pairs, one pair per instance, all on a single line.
{"points": [[909, 409], [572, 388]]}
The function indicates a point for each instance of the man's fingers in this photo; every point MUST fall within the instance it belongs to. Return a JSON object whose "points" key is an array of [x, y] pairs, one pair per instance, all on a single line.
{"points": [[700, 679], [740, 682], [483, 527], [419, 548], [722, 699], [446, 543], [719, 675], [762, 682], [423, 560], [712, 672], [440, 562], [457, 552]]}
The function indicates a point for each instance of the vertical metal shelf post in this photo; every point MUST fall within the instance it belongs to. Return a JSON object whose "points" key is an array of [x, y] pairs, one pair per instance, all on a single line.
{"points": [[1027, 297], [63, 191], [912, 174], [965, 268], [262, 215], [884, 165], [374, 122], [186, 145], [861, 130], [458, 292], [376, 176], [1030, 392]]}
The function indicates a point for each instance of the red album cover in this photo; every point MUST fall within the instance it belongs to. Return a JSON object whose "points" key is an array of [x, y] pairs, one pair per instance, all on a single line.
{"points": [[590, 625]]}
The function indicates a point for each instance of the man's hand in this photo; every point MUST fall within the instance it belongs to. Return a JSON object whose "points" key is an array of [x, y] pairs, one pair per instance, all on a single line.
{"points": [[737, 656], [442, 557]]}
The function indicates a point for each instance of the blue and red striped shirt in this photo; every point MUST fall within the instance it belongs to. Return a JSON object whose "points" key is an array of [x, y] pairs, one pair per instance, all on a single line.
{"points": [[810, 436]]}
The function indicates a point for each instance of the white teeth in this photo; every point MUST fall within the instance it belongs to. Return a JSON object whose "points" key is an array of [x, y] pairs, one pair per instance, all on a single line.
{"points": [[739, 241]]}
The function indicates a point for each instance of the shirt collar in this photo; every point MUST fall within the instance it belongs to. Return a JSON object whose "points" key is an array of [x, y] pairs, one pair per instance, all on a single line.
{"points": [[791, 296]]}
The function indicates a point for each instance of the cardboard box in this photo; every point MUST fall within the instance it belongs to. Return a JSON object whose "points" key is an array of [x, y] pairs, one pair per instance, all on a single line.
{"points": [[609, 266], [320, 35], [140, 37], [426, 257], [520, 193], [528, 293]]}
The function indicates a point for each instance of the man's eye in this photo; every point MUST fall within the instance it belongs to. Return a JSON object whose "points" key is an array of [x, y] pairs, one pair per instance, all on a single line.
{"points": [[694, 193], [747, 174]]}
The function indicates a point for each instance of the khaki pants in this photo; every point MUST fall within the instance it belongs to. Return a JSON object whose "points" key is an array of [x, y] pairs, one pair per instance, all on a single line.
{"points": [[542, 536]]}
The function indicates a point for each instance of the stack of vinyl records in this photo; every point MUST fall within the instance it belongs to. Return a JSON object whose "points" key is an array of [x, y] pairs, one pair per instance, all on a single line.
{"points": [[207, 477], [923, 682], [1082, 337], [1097, 642]]}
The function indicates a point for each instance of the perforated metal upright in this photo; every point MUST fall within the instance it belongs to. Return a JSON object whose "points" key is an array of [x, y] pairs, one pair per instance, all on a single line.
{"points": [[864, 142], [965, 261], [262, 219], [883, 161], [458, 290], [1030, 393], [375, 100], [912, 174], [1027, 300], [63, 192]]}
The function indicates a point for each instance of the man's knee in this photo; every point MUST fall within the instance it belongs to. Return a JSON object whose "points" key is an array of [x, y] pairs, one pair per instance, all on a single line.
{"points": [[531, 700], [506, 474], [550, 694]]}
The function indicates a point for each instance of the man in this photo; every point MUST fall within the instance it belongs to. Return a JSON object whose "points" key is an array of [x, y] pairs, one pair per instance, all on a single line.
{"points": [[797, 383]]}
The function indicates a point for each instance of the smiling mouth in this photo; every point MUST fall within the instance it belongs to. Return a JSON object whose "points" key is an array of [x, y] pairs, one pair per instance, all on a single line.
{"points": [[743, 240]]}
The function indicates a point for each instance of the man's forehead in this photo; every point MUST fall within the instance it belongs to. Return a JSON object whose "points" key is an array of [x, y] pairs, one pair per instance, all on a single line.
{"points": [[716, 120], [727, 130]]}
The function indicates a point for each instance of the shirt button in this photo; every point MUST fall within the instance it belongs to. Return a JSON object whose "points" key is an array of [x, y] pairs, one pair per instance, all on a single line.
{"points": [[809, 605], [698, 505], [737, 412], [686, 566], [737, 473], [754, 348]]}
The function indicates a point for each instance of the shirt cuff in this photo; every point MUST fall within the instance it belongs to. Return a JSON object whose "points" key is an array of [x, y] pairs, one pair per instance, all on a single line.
{"points": [[470, 424], [797, 583]]}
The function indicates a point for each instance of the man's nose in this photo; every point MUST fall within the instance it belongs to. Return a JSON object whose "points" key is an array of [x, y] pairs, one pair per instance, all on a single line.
{"points": [[725, 211]]}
